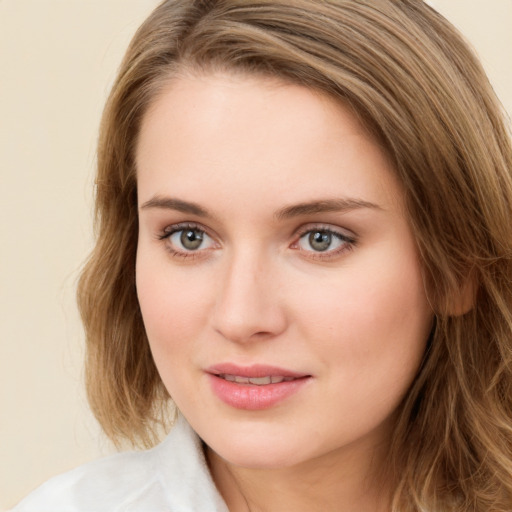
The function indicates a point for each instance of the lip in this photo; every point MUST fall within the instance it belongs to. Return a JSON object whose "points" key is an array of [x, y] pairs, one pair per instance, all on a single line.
{"points": [[255, 370], [248, 396]]}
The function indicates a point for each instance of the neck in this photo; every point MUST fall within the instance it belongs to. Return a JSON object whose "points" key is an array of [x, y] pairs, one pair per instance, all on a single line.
{"points": [[341, 482]]}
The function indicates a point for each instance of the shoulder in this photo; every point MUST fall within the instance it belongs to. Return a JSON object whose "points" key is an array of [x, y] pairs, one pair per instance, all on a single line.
{"points": [[95, 486], [171, 476]]}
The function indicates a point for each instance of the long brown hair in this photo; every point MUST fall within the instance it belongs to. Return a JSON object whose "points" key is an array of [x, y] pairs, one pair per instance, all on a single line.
{"points": [[412, 80]]}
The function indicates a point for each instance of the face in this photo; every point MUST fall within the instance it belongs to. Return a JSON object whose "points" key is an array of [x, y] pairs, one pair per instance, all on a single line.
{"points": [[277, 275]]}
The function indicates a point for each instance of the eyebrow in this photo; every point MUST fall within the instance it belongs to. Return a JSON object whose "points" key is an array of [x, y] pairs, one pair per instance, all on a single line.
{"points": [[324, 206], [169, 203], [296, 210]]}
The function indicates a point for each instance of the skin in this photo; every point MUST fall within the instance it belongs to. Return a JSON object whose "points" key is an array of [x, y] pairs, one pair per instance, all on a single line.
{"points": [[353, 317]]}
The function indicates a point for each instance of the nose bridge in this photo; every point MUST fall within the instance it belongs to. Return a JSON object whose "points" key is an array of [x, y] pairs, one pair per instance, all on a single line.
{"points": [[247, 303]]}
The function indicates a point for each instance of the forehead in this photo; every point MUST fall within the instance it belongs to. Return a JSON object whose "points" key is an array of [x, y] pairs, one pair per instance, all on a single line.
{"points": [[258, 136], [235, 101]]}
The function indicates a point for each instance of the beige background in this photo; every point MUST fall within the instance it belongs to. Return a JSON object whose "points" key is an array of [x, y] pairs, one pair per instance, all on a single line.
{"points": [[57, 61]]}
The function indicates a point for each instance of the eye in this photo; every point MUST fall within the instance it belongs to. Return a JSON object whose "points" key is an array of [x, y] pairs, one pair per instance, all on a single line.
{"points": [[190, 239], [318, 241], [182, 240], [322, 240]]}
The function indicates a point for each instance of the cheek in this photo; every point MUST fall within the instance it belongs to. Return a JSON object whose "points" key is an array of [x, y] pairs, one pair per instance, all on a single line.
{"points": [[372, 318], [174, 309], [170, 310], [369, 331]]}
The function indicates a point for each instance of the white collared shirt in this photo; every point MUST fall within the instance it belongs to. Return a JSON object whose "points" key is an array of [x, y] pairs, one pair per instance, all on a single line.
{"points": [[171, 477]]}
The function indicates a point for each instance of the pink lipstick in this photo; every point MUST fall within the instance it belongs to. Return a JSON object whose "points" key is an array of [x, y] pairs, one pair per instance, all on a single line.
{"points": [[254, 387]]}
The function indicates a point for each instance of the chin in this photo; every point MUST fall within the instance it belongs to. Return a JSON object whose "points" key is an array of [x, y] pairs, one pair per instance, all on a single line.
{"points": [[263, 449], [264, 458]]}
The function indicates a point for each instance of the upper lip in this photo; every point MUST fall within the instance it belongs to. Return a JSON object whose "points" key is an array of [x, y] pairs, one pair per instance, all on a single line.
{"points": [[253, 371]]}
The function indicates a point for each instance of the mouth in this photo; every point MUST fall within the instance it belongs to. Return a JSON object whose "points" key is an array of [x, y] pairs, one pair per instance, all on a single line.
{"points": [[256, 374], [255, 387], [255, 381]]}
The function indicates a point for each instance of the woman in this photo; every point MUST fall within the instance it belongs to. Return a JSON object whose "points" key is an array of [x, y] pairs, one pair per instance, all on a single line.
{"points": [[304, 239]]}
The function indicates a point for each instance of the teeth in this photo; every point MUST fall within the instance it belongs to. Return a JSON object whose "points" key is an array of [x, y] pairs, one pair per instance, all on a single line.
{"points": [[281, 379], [260, 381], [256, 381]]}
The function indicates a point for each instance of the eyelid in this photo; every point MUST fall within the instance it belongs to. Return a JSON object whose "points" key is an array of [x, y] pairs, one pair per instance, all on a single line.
{"points": [[166, 234], [173, 228], [336, 230], [348, 238]]}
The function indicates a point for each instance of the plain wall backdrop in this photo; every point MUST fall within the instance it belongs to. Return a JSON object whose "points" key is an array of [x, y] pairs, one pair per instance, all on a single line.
{"points": [[58, 59]]}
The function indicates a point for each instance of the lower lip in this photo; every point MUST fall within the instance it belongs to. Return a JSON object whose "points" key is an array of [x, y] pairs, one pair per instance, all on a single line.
{"points": [[252, 397]]}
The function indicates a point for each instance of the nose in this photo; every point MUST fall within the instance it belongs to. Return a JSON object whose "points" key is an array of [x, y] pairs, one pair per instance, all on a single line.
{"points": [[249, 305]]}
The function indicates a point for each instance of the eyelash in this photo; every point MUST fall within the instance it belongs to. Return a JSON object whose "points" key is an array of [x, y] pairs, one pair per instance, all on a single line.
{"points": [[347, 242], [176, 228]]}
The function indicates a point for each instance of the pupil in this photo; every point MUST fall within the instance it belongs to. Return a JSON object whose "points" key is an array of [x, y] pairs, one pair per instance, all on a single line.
{"points": [[191, 239], [320, 240]]}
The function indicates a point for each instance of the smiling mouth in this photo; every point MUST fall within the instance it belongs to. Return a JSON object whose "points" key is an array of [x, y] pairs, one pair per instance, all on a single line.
{"points": [[255, 381], [258, 388]]}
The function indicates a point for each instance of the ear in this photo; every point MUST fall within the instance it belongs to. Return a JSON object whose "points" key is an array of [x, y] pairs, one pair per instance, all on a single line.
{"points": [[463, 300]]}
